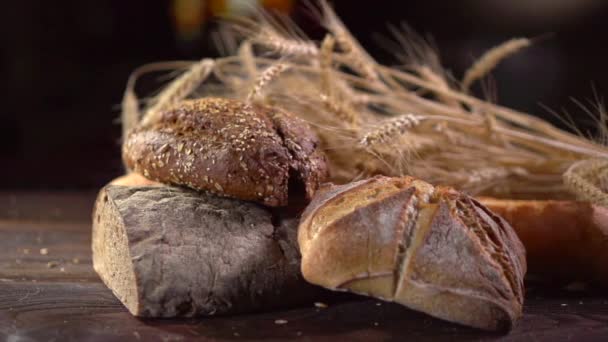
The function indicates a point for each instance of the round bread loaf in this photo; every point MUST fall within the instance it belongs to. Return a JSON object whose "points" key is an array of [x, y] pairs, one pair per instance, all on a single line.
{"points": [[429, 248], [245, 151]]}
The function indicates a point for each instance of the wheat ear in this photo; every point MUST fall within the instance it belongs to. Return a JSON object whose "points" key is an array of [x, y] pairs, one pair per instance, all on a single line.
{"points": [[390, 128], [429, 75], [580, 179], [245, 52], [264, 79], [491, 59], [357, 57], [284, 46], [179, 89], [478, 177], [130, 114]]}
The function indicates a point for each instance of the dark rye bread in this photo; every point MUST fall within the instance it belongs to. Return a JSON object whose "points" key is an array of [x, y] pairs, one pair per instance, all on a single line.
{"points": [[429, 248], [245, 151], [168, 252]]}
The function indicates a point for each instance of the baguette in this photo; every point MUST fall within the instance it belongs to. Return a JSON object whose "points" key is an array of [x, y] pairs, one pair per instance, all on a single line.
{"points": [[564, 240], [431, 249]]}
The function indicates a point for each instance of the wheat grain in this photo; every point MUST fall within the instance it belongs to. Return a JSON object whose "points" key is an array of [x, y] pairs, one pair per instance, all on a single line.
{"points": [[476, 177], [357, 57], [246, 54], [581, 179], [130, 112], [325, 62], [179, 89], [490, 60], [344, 84], [284, 46], [264, 79], [343, 111], [428, 74], [390, 128], [331, 97]]}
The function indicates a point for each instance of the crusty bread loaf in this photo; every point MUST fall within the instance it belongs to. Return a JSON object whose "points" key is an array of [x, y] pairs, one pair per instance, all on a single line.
{"points": [[167, 252], [245, 151], [134, 179], [403, 240], [564, 240]]}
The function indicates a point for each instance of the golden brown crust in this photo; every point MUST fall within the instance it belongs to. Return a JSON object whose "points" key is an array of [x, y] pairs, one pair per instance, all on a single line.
{"points": [[134, 179], [564, 239], [403, 240], [227, 147]]}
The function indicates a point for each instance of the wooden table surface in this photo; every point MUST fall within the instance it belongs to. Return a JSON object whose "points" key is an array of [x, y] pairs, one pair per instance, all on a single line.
{"points": [[49, 292]]}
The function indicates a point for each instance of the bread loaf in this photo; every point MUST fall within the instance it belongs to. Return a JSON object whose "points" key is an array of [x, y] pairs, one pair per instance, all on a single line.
{"points": [[134, 179], [431, 249], [564, 240], [168, 252], [245, 151]]}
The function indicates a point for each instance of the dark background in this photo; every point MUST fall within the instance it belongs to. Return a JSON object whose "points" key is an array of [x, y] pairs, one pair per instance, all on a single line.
{"points": [[64, 65]]}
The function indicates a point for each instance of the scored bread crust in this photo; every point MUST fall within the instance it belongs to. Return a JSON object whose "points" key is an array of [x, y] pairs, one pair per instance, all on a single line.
{"points": [[245, 151], [431, 249]]}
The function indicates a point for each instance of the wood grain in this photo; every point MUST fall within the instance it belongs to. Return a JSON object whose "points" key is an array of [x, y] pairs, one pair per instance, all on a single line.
{"points": [[38, 303]]}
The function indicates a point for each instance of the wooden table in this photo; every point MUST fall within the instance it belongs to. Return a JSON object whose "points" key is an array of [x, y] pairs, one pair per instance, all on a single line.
{"points": [[49, 292]]}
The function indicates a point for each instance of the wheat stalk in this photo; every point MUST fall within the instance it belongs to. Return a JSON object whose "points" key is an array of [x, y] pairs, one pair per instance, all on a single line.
{"points": [[390, 128], [491, 59], [356, 107], [429, 75], [582, 178], [264, 79], [179, 89], [130, 112], [284, 46]]}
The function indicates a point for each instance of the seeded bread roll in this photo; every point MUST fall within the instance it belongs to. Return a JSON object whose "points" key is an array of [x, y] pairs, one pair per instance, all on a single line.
{"points": [[227, 147], [431, 249], [565, 240]]}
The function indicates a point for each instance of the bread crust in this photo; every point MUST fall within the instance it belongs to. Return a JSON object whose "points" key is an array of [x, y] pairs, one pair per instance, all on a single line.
{"points": [[134, 179], [227, 147], [431, 249], [173, 252], [565, 240]]}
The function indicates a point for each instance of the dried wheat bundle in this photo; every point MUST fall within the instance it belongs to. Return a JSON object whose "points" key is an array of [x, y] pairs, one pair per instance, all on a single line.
{"points": [[374, 119]]}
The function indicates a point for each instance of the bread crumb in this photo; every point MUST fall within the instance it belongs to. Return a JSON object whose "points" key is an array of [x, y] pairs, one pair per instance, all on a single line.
{"points": [[280, 321], [26, 251], [52, 264], [44, 251], [75, 261], [564, 304], [320, 305]]}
